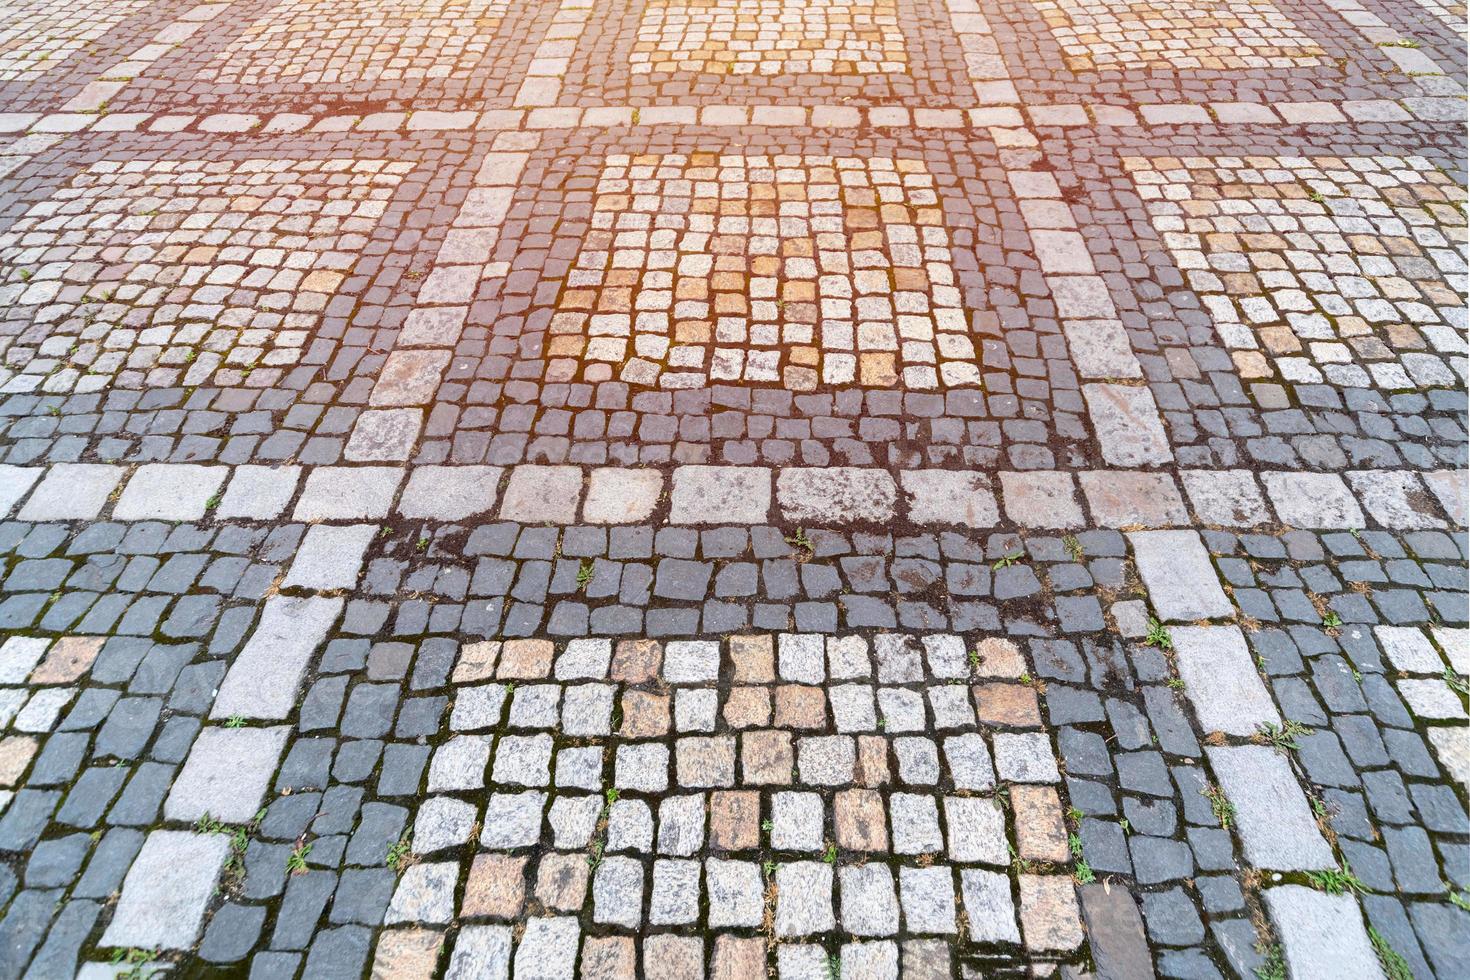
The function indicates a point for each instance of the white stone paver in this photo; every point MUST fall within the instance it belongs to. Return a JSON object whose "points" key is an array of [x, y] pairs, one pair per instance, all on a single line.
{"points": [[1275, 823], [167, 890]]}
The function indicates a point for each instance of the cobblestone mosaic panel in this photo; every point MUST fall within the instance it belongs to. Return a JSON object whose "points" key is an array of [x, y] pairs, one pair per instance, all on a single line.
{"points": [[1220, 35], [772, 38], [788, 270], [1180, 51], [377, 55], [663, 52], [375, 40], [182, 272], [1351, 271], [38, 36]]}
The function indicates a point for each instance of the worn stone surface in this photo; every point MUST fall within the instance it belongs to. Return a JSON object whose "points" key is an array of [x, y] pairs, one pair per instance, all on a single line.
{"points": [[1276, 826], [166, 889], [538, 488], [1221, 681]]}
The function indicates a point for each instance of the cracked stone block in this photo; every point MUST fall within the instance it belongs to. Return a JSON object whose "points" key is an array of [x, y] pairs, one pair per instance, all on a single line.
{"points": [[1129, 429], [1313, 500], [1100, 349], [409, 377]]}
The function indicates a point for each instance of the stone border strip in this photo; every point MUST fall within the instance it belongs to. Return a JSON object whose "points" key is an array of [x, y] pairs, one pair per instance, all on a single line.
{"points": [[1402, 51], [411, 374], [1125, 417], [983, 61], [95, 94], [1442, 109], [542, 85], [834, 496]]}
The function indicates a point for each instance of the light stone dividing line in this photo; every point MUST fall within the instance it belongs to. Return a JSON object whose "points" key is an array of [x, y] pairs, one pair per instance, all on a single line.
{"points": [[998, 118], [1402, 51], [736, 495], [1098, 344], [410, 377], [1421, 672], [94, 95], [228, 771], [553, 56], [1125, 417], [983, 60]]}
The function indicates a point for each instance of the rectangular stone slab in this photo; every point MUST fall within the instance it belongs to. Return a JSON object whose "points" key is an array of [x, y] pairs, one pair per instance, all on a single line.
{"points": [[166, 890], [263, 680], [1271, 813], [1221, 681]]}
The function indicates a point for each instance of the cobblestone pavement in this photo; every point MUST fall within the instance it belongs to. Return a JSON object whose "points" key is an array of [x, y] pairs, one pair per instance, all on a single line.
{"points": [[733, 488]]}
